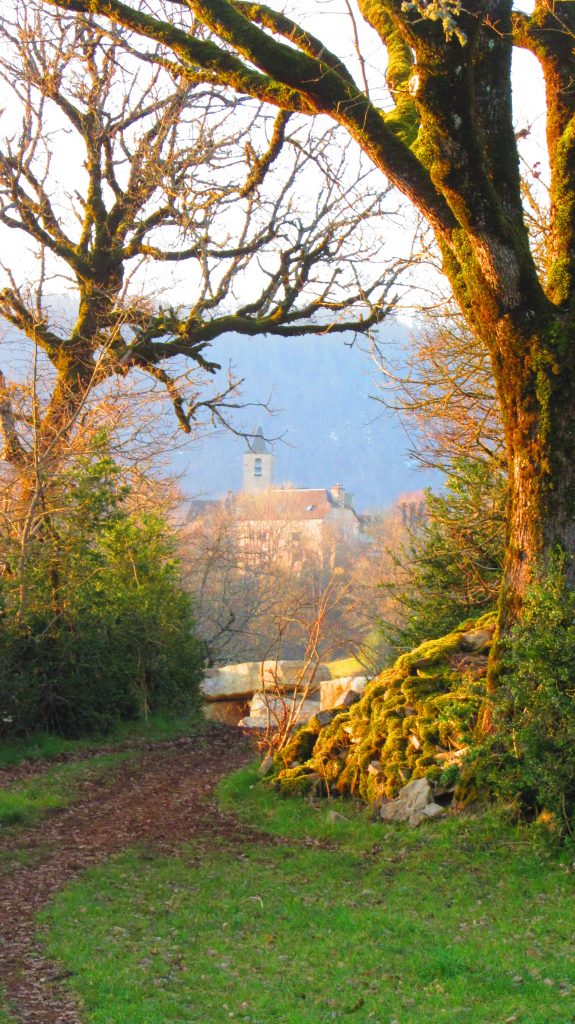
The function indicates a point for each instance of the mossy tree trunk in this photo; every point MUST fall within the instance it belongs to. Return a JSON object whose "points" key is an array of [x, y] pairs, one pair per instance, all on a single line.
{"points": [[539, 419]]}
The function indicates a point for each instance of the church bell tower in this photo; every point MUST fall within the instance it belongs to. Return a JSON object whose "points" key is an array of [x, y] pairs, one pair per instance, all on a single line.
{"points": [[258, 466]]}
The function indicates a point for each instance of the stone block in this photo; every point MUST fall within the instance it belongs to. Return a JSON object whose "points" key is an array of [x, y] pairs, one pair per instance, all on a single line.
{"points": [[411, 801], [332, 690], [242, 681], [347, 699], [252, 723], [232, 682], [288, 674], [476, 639], [264, 703]]}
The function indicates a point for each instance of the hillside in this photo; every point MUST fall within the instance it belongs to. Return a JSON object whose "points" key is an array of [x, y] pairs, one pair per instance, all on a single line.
{"points": [[327, 425]]}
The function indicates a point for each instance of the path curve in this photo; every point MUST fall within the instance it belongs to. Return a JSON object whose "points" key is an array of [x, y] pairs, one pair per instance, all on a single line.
{"points": [[160, 799]]}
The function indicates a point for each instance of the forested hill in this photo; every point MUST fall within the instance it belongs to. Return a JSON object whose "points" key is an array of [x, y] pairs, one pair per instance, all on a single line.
{"points": [[331, 429], [328, 428]]}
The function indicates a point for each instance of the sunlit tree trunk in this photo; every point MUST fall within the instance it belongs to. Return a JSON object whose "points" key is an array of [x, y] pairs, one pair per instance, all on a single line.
{"points": [[539, 419]]}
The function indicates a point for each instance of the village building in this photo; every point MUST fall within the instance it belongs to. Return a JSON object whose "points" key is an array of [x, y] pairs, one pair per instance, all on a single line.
{"points": [[283, 523], [291, 523]]}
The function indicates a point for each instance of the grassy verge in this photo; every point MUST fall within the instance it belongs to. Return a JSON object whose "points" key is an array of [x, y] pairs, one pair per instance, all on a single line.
{"points": [[24, 803], [346, 667], [5, 1017], [45, 745], [461, 921]]}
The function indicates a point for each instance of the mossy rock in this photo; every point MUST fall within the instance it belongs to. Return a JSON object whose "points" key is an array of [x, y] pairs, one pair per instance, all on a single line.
{"points": [[432, 652], [300, 746], [299, 781], [425, 705]]}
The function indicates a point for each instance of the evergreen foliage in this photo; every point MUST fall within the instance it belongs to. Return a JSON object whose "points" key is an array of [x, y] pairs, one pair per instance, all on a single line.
{"points": [[530, 756], [94, 625], [453, 566]]}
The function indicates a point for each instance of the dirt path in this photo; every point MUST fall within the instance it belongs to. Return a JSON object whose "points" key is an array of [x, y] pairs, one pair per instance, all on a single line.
{"points": [[161, 799]]}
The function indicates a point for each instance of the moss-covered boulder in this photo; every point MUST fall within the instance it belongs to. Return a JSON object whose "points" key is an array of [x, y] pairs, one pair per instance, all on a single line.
{"points": [[415, 719]]}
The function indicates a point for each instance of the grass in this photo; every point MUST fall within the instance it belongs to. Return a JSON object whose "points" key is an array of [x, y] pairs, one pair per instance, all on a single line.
{"points": [[46, 745], [5, 1017], [341, 667], [17, 858], [24, 803], [347, 920]]}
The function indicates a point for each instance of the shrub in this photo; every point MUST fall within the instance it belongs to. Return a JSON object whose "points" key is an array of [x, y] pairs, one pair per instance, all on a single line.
{"points": [[530, 757], [105, 632]]}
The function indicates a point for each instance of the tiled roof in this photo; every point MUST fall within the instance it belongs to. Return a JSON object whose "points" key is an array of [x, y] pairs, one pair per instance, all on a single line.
{"points": [[290, 504]]}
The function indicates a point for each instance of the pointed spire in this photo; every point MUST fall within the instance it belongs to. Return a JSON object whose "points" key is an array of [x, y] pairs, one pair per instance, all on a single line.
{"points": [[258, 445]]}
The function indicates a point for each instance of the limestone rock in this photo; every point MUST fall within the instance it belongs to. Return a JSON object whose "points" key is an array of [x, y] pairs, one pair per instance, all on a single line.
{"points": [[266, 767], [411, 801], [267, 710], [263, 704], [332, 690], [476, 639], [289, 673], [232, 682], [252, 723], [242, 681], [347, 699], [432, 810]]}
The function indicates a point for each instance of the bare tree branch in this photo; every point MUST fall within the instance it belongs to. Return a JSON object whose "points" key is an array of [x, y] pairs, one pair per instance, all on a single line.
{"points": [[168, 171]]}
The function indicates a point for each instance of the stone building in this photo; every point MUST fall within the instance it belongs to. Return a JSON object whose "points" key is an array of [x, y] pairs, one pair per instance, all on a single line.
{"points": [[284, 524], [291, 523]]}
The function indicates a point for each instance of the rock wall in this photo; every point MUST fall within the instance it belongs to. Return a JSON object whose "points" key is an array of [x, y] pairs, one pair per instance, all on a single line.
{"points": [[242, 681], [254, 694], [414, 720]]}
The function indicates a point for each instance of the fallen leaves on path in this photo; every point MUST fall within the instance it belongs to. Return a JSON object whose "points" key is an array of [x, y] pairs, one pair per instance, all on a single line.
{"points": [[158, 800]]}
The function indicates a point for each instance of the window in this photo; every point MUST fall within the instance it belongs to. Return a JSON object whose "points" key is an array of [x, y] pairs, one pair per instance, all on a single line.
{"points": [[258, 467]]}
